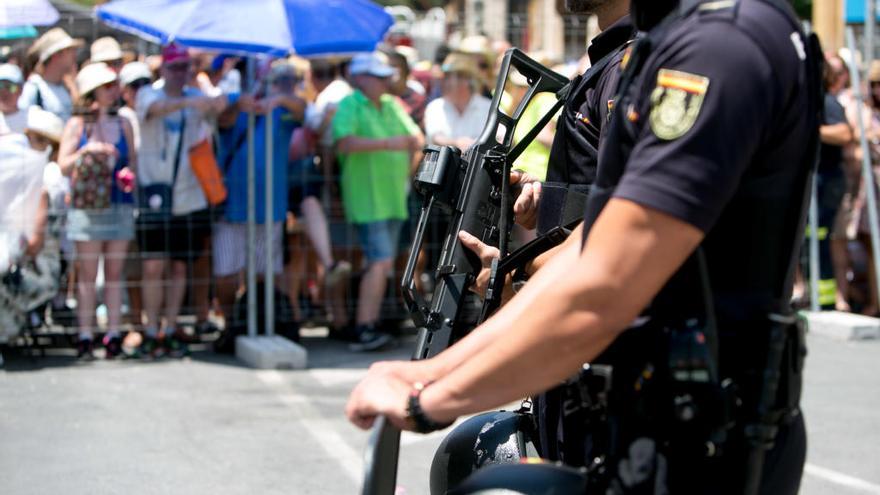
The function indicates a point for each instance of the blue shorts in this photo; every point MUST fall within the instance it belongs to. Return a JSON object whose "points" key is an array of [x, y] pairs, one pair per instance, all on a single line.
{"points": [[379, 239]]}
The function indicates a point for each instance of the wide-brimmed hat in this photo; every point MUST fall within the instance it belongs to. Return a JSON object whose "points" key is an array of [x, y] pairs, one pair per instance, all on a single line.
{"points": [[45, 123], [133, 71], [461, 63], [52, 42], [373, 63], [11, 72], [105, 49], [94, 76]]}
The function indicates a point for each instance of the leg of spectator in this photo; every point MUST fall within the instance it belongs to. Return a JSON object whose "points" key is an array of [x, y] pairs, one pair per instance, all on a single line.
{"points": [[88, 254], [316, 228], [154, 271], [227, 289], [114, 261], [295, 272], [372, 292], [840, 259], [201, 284], [176, 293]]}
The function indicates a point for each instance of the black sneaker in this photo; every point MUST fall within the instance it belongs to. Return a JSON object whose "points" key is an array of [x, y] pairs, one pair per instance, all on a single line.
{"points": [[84, 349], [206, 328], [151, 348], [345, 334], [369, 339], [112, 346], [176, 347]]}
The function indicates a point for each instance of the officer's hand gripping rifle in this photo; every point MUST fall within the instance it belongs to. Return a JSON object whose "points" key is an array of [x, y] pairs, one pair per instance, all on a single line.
{"points": [[475, 188]]}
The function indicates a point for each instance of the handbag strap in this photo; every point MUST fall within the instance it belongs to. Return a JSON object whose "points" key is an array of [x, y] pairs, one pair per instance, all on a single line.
{"points": [[179, 147], [234, 151]]}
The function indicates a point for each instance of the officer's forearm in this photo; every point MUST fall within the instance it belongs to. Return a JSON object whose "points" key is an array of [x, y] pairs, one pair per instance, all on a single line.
{"points": [[568, 313], [573, 240]]}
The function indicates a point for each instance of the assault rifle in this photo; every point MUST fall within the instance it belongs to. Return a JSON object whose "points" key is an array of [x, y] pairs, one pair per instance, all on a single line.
{"points": [[474, 188]]}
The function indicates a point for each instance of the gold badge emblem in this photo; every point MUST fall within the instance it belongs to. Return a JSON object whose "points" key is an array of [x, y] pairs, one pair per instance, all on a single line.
{"points": [[676, 103]]}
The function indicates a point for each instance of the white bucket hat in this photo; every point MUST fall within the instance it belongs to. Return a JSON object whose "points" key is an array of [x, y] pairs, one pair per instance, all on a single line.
{"points": [[45, 123], [10, 72], [94, 76], [133, 71], [105, 49]]}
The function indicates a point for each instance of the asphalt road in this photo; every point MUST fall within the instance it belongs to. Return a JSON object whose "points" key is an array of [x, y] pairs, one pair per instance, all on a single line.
{"points": [[207, 425]]}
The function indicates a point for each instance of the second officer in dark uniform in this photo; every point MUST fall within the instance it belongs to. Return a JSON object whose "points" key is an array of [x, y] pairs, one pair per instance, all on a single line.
{"points": [[684, 276]]}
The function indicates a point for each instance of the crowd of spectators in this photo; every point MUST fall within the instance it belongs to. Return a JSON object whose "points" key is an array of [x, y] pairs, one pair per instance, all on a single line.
{"points": [[108, 227], [122, 240]]}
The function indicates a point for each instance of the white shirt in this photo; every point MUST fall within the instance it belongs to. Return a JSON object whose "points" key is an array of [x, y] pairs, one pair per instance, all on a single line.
{"points": [[326, 100], [55, 97], [130, 115], [13, 123], [159, 139], [230, 82], [21, 184], [443, 119]]}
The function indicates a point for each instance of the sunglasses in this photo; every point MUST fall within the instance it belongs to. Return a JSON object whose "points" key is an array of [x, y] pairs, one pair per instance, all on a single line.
{"points": [[10, 86], [109, 86]]}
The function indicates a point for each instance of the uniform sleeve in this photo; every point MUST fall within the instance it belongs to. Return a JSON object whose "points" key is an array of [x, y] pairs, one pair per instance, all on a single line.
{"points": [[344, 121], [703, 108]]}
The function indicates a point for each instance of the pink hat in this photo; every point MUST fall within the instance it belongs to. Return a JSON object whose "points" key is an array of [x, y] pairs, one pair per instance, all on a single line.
{"points": [[174, 53]]}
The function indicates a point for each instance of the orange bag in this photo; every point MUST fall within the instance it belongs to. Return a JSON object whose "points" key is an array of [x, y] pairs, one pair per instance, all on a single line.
{"points": [[205, 168]]}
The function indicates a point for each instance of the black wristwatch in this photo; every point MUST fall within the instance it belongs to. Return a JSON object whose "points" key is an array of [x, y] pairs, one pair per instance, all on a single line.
{"points": [[414, 413]]}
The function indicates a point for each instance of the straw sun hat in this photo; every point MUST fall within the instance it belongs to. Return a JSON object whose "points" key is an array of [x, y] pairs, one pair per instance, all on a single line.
{"points": [[105, 49], [52, 42], [94, 76]]}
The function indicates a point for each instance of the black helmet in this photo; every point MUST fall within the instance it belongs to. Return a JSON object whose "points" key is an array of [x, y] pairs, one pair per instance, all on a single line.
{"points": [[500, 437], [525, 479]]}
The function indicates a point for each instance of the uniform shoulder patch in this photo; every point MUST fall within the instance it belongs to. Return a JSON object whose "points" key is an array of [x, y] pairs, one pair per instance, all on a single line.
{"points": [[676, 103]]}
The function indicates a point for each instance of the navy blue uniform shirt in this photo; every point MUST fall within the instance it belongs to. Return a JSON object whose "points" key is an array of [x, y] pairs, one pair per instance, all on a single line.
{"points": [[574, 154]]}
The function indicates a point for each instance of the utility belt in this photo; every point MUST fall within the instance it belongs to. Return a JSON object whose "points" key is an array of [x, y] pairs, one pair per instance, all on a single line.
{"points": [[660, 381]]}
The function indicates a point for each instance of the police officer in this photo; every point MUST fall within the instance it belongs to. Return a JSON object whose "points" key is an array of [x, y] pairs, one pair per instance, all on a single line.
{"points": [[685, 271], [574, 153]]}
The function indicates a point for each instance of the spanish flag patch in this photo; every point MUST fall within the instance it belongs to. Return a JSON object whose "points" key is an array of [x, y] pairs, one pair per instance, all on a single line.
{"points": [[676, 102]]}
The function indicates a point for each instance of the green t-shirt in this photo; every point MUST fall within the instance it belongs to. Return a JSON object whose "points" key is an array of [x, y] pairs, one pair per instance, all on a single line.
{"points": [[374, 183], [535, 158]]}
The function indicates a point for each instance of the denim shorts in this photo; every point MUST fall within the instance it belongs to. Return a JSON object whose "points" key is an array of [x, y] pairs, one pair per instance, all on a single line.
{"points": [[379, 239]]}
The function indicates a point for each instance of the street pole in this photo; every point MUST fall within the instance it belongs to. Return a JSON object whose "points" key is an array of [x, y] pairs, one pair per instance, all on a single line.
{"points": [[814, 247], [870, 21], [269, 219], [867, 173], [251, 212]]}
